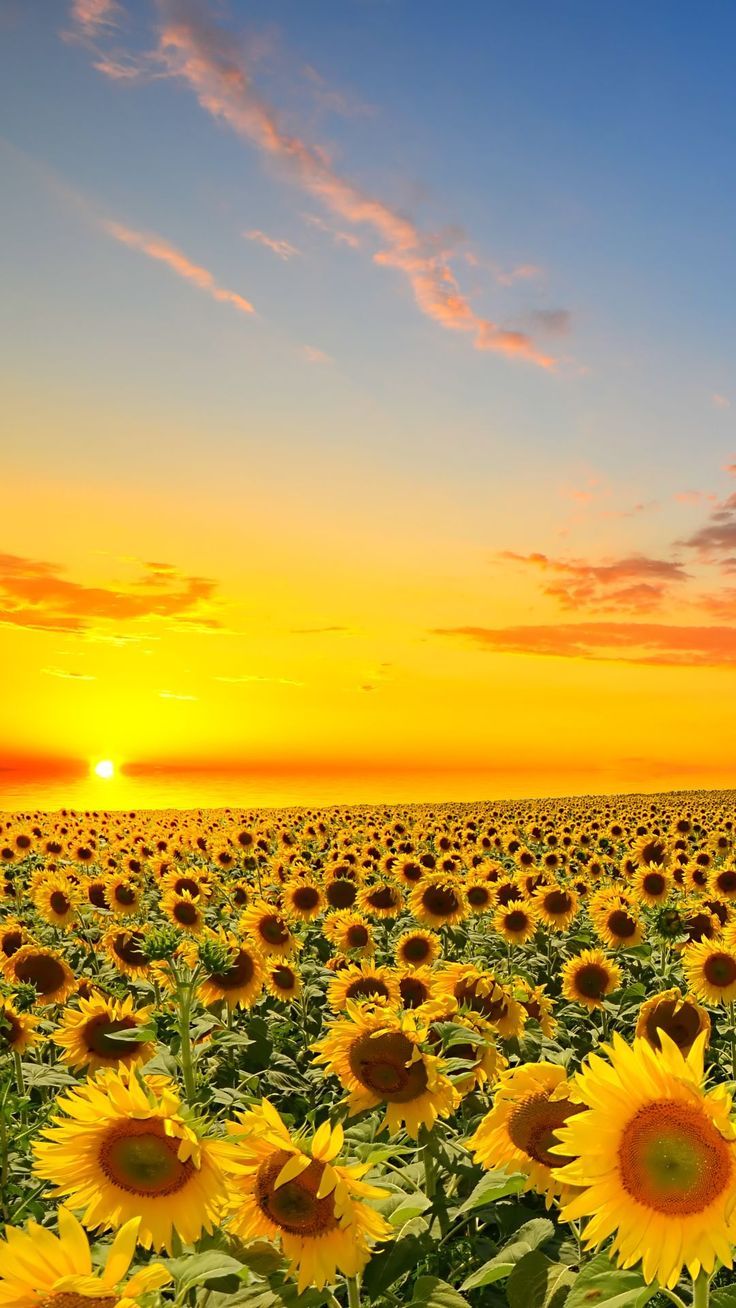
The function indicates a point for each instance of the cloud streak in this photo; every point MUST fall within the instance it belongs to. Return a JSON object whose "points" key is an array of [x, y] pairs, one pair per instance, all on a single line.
{"points": [[633, 583], [283, 249], [651, 644], [155, 247]]}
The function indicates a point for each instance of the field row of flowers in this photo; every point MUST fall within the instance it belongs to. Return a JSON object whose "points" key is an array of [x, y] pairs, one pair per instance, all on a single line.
{"points": [[436, 1056]]}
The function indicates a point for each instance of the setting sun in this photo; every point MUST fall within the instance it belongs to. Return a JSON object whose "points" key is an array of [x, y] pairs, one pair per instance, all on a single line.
{"points": [[105, 768]]}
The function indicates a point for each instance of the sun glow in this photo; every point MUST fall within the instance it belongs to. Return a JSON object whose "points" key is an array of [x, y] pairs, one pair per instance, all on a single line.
{"points": [[105, 769]]}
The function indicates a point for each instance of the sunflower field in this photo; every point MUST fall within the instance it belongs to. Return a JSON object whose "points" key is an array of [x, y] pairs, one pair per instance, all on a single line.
{"points": [[436, 1056]]}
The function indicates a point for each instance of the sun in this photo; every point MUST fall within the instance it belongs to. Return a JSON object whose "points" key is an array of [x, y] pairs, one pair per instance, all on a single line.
{"points": [[105, 769]]}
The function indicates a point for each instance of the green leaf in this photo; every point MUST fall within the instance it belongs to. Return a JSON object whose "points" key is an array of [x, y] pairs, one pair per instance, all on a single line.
{"points": [[724, 1297], [528, 1237], [494, 1185], [430, 1292], [391, 1263], [600, 1283], [202, 1268], [409, 1208], [537, 1282]]}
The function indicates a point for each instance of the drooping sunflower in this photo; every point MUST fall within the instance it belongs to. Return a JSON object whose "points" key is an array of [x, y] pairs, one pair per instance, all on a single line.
{"points": [[478, 1049], [516, 922], [362, 983], [417, 949], [380, 1056], [531, 1103], [293, 1191], [270, 930], [302, 899], [536, 1004], [55, 900], [237, 976], [42, 968], [557, 905], [710, 971], [655, 1158], [125, 948], [42, 1270], [681, 1018], [416, 986], [439, 900], [87, 1034], [350, 933], [381, 899], [589, 977], [18, 1030], [119, 1147], [482, 993], [283, 981]]}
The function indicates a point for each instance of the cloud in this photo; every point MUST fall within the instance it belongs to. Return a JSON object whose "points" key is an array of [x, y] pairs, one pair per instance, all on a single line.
{"points": [[170, 694], [338, 236], [716, 541], [556, 322], [720, 401], [651, 644], [314, 355], [155, 247], [203, 57], [318, 631], [250, 679], [693, 497], [336, 102], [69, 676], [633, 583], [36, 595], [95, 16], [730, 468], [284, 249]]}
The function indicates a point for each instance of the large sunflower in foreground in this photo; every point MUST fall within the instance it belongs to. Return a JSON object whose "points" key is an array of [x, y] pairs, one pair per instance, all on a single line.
{"points": [[87, 1034], [41, 1270], [120, 1147], [294, 1192], [655, 1157], [378, 1055], [532, 1102]]}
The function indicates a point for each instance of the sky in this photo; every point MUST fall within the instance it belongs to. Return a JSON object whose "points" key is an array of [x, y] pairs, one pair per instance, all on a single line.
{"points": [[369, 413]]}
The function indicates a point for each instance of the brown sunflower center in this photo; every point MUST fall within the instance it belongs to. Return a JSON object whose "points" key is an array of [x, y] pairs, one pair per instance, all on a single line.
{"points": [[591, 980], [673, 1160], [557, 903], [341, 893], [284, 977], [383, 1064], [682, 1023], [653, 852], [294, 1206], [59, 902], [273, 929], [654, 883], [189, 885], [533, 1123], [306, 898], [97, 1035], [720, 970], [383, 897], [11, 942], [125, 895], [96, 894], [357, 936], [416, 949], [138, 1158], [726, 881], [440, 900], [128, 947], [366, 987], [238, 974], [413, 991], [70, 1299], [516, 920], [621, 924], [240, 896], [186, 913], [43, 971], [478, 896]]}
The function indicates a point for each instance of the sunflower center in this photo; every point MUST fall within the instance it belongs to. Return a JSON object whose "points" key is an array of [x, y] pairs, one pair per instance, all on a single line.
{"points": [[415, 949], [284, 977], [186, 913], [382, 1064], [533, 1123], [727, 881], [672, 1159], [654, 883], [681, 1024], [11, 942], [139, 1159], [70, 1299], [273, 930], [306, 898], [440, 900], [128, 948], [187, 884], [621, 924], [42, 971], [516, 920], [365, 987], [653, 852], [591, 980], [382, 898], [96, 894], [59, 902], [97, 1035], [357, 936], [238, 974], [413, 992], [125, 895], [240, 896], [478, 896], [341, 893], [294, 1207], [720, 970], [557, 902]]}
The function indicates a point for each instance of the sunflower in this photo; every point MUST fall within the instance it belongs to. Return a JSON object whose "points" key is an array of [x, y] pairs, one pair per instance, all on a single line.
{"points": [[120, 1148], [478, 1050], [378, 1054], [94, 891], [292, 1191], [362, 983], [283, 981], [480, 895], [651, 885], [536, 1004], [723, 882], [340, 892], [557, 905], [12, 935], [589, 977], [530, 1105], [87, 1034], [439, 900], [651, 851], [56, 900], [619, 926], [482, 993], [350, 933], [41, 1270], [122, 895], [417, 949], [240, 892], [42, 968], [416, 986], [516, 922], [381, 899], [237, 979], [682, 1019], [186, 883], [655, 1157], [17, 1029], [710, 971], [270, 930], [126, 949], [186, 912], [302, 900]]}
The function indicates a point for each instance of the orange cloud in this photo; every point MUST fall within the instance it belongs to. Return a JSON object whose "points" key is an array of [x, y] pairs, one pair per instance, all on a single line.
{"points": [[630, 584], [284, 249], [34, 594], [157, 248], [93, 16], [203, 57], [620, 642]]}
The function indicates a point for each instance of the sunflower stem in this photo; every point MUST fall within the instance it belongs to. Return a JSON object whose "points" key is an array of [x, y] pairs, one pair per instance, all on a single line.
{"points": [[19, 1078], [185, 991], [701, 1290], [353, 1292]]}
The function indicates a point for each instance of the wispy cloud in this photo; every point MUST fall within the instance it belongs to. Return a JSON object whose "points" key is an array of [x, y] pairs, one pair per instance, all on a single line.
{"points": [[155, 247], [337, 235], [250, 679], [314, 355], [336, 101], [651, 644], [716, 541], [203, 56], [632, 584], [170, 694], [68, 676], [94, 17], [284, 249], [720, 401]]}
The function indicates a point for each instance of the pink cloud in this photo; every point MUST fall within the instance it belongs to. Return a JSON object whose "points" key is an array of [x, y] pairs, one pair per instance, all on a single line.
{"points": [[314, 355], [720, 401], [93, 16], [155, 247], [284, 249], [634, 583], [652, 644]]}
